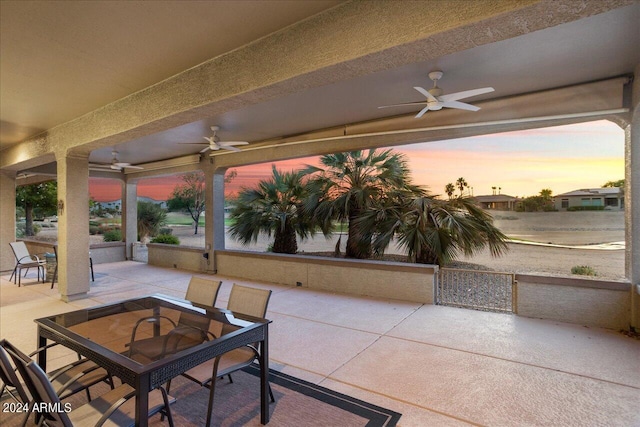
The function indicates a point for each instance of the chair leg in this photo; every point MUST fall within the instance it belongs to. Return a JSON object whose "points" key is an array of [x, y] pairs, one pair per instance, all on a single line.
{"points": [[91, 266], [212, 390], [55, 276], [167, 409], [13, 275]]}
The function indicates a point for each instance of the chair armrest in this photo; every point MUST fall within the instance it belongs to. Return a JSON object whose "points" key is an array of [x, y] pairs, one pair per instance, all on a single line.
{"points": [[150, 319], [118, 403], [31, 258]]}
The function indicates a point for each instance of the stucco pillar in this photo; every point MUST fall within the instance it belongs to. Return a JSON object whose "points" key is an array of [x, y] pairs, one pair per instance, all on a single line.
{"points": [[214, 212], [7, 219], [632, 202], [129, 224], [73, 226]]}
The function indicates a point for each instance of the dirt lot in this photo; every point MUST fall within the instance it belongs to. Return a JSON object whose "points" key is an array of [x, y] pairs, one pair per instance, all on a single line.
{"points": [[572, 230]]}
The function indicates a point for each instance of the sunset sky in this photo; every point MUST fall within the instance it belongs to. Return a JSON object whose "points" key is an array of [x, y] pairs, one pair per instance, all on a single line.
{"points": [[562, 158]]}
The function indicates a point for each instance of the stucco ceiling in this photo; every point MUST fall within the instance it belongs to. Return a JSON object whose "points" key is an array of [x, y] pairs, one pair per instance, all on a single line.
{"points": [[62, 60]]}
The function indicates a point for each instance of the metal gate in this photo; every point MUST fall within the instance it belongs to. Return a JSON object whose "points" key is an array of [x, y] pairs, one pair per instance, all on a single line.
{"points": [[479, 290]]}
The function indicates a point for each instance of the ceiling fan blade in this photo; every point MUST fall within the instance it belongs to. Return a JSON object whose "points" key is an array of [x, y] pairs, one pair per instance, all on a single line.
{"points": [[115, 167], [404, 104], [230, 143], [425, 93], [421, 113], [460, 105], [132, 167], [466, 94], [230, 147], [208, 147]]}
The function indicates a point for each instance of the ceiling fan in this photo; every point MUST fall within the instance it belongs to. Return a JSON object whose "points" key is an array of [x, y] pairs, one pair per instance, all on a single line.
{"points": [[436, 100], [117, 164], [214, 144]]}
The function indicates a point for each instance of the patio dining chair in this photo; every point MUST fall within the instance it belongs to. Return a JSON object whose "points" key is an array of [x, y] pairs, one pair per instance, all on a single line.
{"points": [[11, 384], [55, 271], [24, 260], [190, 329], [116, 407], [67, 380], [245, 300]]}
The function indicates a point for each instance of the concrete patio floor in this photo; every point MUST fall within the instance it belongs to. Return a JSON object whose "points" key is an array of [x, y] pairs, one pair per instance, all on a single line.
{"points": [[438, 366]]}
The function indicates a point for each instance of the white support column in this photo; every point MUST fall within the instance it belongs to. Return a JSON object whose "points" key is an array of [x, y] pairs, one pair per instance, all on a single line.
{"points": [[7, 219], [218, 209], [632, 200], [214, 212], [73, 226], [129, 224]]}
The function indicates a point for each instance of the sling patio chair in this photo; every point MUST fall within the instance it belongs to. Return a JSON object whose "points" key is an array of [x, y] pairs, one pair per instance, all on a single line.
{"points": [[24, 260], [244, 300], [66, 381], [116, 407], [55, 271], [190, 329]]}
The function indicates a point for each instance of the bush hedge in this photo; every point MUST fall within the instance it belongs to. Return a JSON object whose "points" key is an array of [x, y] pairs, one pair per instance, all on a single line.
{"points": [[113, 235], [167, 239]]}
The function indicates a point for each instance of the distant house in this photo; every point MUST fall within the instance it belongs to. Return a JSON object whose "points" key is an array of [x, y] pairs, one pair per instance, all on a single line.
{"points": [[608, 198], [498, 202]]}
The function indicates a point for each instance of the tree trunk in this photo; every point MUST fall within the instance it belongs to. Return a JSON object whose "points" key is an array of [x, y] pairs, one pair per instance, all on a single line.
{"points": [[28, 222], [285, 241], [427, 256], [358, 243]]}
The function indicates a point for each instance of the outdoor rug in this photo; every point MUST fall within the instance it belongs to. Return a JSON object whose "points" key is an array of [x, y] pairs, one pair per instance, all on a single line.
{"points": [[298, 404]]}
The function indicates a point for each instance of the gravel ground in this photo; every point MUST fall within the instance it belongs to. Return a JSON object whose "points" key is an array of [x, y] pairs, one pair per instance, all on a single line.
{"points": [[558, 228]]}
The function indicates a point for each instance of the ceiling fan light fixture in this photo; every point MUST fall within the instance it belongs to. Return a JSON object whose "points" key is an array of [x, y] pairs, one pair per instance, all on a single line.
{"points": [[436, 99]]}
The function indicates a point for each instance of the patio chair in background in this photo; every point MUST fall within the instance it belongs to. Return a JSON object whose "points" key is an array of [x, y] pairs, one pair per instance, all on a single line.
{"points": [[190, 329], [24, 260], [244, 300], [116, 406], [55, 272]]}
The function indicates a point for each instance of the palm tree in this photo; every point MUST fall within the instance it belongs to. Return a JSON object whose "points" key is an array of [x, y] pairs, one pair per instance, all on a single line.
{"points": [[450, 189], [461, 183], [273, 207], [350, 184], [434, 231]]}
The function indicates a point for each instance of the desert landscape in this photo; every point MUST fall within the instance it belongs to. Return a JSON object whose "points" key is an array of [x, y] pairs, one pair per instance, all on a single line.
{"points": [[542, 242]]}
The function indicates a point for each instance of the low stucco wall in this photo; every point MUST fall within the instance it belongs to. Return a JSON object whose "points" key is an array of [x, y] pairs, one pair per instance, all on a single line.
{"points": [[101, 253], [174, 256], [589, 302], [409, 282]]}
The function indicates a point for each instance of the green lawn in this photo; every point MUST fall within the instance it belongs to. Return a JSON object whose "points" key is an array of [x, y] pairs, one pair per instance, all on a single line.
{"points": [[178, 218]]}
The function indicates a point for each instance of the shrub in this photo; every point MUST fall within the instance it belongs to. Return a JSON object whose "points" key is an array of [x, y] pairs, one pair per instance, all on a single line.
{"points": [[20, 230], [165, 230], [167, 239], [151, 217], [583, 270], [114, 235], [94, 229], [585, 208]]}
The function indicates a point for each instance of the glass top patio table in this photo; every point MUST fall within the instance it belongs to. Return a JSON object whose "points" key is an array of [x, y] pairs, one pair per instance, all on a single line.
{"points": [[108, 334]]}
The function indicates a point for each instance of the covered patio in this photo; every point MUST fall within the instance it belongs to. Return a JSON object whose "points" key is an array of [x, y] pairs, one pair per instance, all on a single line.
{"points": [[435, 365], [307, 82]]}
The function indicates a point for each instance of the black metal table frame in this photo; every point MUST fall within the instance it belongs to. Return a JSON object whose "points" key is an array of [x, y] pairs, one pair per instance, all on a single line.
{"points": [[145, 378]]}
